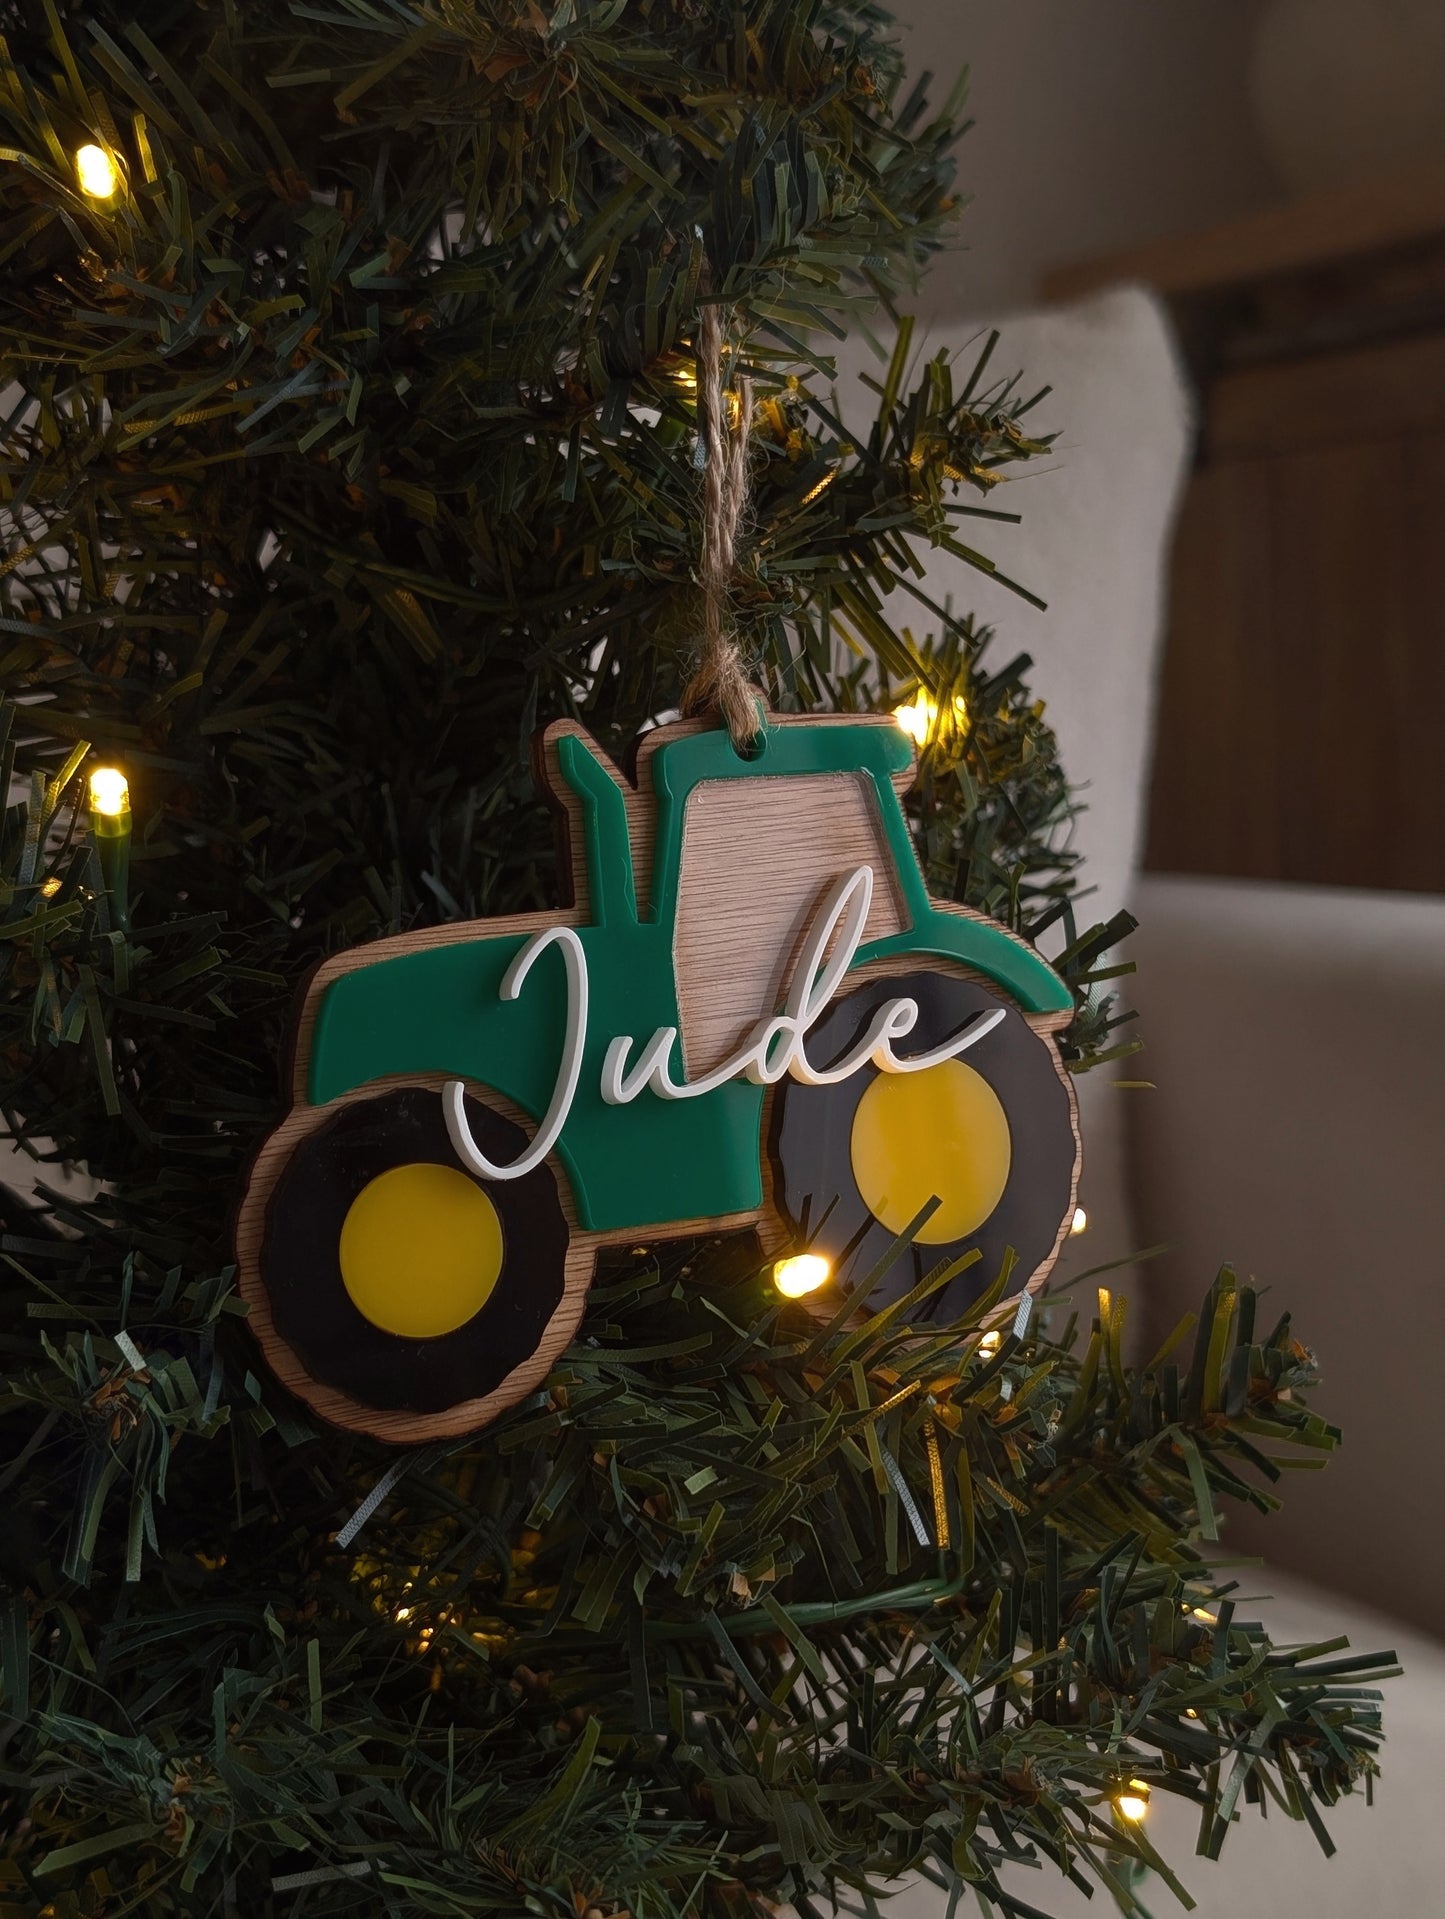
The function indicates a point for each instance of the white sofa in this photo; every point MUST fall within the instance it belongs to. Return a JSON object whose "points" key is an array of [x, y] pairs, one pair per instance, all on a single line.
{"points": [[1298, 1130], [1296, 1126]]}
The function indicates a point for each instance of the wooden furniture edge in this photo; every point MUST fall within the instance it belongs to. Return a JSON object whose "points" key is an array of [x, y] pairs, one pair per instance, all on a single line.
{"points": [[1368, 217]]}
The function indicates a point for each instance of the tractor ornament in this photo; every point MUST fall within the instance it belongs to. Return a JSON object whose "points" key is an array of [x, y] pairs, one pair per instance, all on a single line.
{"points": [[752, 1016]]}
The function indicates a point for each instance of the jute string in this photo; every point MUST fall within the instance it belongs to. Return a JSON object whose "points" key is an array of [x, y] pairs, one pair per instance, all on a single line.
{"points": [[720, 685]]}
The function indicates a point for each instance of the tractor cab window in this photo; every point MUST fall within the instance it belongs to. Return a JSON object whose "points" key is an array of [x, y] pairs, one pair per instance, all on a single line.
{"points": [[757, 857]]}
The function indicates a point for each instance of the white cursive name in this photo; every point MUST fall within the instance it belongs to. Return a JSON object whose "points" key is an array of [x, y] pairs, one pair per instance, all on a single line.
{"points": [[773, 1049]]}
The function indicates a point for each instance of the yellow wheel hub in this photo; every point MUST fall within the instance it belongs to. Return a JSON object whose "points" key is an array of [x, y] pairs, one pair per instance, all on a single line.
{"points": [[940, 1133], [421, 1250]]}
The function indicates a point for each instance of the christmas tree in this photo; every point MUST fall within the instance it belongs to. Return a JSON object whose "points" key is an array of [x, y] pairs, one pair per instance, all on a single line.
{"points": [[355, 371]]}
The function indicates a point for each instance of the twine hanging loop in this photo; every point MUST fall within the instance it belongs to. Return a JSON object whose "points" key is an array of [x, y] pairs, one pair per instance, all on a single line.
{"points": [[720, 685]]}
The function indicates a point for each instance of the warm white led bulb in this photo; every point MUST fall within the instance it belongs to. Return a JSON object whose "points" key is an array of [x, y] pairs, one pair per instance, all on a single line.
{"points": [[803, 1273], [918, 717], [1080, 1221], [109, 791], [1133, 1802], [96, 171], [915, 717]]}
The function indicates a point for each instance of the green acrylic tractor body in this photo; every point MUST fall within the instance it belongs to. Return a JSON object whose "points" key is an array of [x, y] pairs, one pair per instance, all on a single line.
{"points": [[651, 1162]]}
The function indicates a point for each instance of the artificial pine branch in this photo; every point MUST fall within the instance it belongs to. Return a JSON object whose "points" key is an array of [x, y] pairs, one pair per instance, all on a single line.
{"points": [[352, 439], [672, 1635]]}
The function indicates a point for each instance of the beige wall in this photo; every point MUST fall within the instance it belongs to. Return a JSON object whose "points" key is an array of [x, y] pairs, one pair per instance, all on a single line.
{"points": [[1099, 123]]}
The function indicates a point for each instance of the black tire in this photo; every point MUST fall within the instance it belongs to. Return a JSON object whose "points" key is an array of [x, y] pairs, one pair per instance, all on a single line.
{"points": [[811, 1146], [301, 1269]]}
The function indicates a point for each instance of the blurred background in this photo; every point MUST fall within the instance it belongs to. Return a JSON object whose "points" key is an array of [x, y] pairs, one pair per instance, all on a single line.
{"points": [[1217, 229]]}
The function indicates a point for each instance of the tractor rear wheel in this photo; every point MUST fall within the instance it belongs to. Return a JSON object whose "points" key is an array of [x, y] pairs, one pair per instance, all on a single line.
{"points": [[990, 1136]]}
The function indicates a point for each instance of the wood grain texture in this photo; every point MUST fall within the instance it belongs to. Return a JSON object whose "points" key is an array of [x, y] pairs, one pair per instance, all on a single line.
{"points": [[753, 870], [1301, 717], [758, 856], [1301, 728]]}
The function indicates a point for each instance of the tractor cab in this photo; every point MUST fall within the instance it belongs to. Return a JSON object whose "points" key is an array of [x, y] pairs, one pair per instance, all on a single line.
{"points": [[738, 852]]}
